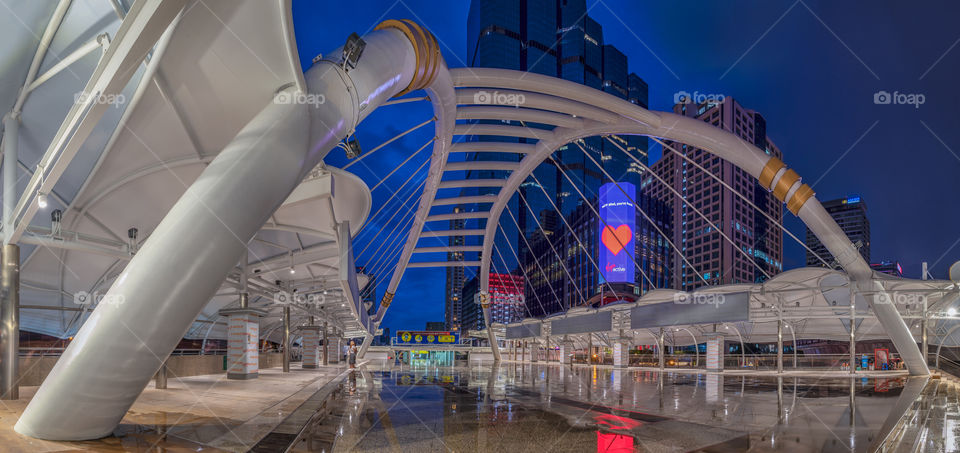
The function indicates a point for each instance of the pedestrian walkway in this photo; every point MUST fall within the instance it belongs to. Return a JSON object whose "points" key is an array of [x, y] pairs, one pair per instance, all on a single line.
{"points": [[207, 411]]}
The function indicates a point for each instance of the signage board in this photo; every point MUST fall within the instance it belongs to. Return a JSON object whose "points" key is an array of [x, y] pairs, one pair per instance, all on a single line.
{"points": [[427, 337], [617, 230]]}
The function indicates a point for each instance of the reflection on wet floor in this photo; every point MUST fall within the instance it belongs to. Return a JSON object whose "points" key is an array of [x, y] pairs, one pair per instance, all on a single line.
{"points": [[530, 407]]}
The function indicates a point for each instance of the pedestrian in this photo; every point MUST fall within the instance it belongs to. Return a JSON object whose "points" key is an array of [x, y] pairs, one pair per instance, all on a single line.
{"points": [[353, 354]]}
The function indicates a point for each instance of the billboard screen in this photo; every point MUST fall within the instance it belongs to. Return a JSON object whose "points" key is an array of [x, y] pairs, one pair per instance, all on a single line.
{"points": [[618, 223]]}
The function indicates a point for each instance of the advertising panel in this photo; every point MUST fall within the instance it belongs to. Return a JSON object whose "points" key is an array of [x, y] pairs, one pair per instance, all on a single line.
{"points": [[616, 229]]}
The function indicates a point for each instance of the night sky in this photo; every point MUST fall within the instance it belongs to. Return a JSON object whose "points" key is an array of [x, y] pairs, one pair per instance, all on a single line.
{"points": [[810, 67]]}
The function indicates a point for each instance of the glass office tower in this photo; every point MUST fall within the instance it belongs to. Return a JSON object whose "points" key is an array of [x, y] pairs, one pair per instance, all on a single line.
{"points": [[558, 39]]}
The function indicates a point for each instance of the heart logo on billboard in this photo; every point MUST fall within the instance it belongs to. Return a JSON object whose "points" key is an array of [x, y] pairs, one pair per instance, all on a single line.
{"points": [[615, 239]]}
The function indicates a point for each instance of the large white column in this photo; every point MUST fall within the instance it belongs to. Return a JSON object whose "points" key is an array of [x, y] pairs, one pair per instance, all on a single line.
{"points": [[715, 350], [621, 353], [243, 333], [311, 346], [200, 240], [566, 352]]}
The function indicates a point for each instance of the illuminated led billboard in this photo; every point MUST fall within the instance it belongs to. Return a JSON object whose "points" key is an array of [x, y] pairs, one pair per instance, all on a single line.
{"points": [[617, 231]]}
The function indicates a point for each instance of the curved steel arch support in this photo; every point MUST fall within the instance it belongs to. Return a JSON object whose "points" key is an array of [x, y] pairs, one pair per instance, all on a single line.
{"points": [[770, 171]]}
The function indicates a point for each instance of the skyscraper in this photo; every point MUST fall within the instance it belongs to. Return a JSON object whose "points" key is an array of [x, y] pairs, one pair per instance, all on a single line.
{"points": [[506, 301], [888, 267], [455, 279], [850, 213], [559, 39], [550, 289], [757, 243]]}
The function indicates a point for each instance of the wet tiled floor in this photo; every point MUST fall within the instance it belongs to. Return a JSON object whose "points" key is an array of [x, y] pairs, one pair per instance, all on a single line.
{"points": [[512, 407], [530, 407], [197, 413]]}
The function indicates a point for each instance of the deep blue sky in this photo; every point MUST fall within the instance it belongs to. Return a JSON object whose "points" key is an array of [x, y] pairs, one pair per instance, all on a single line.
{"points": [[811, 68]]}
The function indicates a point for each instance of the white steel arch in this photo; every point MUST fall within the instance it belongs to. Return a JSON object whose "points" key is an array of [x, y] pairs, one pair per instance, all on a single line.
{"points": [[577, 111]]}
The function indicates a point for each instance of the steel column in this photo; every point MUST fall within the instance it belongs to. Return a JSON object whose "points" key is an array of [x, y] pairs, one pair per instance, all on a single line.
{"points": [[660, 359], [10, 324], [161, 381], [780, 346], [853, 330], [286, 339], [326, 345], [923, 334]]}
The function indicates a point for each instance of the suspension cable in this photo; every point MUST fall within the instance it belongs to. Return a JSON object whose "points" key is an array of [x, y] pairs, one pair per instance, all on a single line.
{"points": [[652, 223], [742, 197], [405, 100], [405, 220], [392, 195], [384, 179], [605, 225], [597, 213], [526, 279], [513, 309], [368, 153], [560, 258], [692, 207], [396, 211], [582, 247], [391, 243], [535, 260]]}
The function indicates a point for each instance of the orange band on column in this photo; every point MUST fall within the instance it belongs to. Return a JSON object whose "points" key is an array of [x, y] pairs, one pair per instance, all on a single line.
{"points": [[425, 49], [769, 171], [784, 184], [799, 198]]}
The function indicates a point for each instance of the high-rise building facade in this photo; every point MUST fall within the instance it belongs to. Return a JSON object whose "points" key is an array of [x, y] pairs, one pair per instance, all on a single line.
{"points": [[435, 326], [506, 301], [551, 289], [559, 39], [455, 279], [888, 267], [755, 246], [850, 213]]}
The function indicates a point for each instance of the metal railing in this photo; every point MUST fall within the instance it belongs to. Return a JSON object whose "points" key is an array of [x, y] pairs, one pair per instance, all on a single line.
{"points": [[30, 352]]}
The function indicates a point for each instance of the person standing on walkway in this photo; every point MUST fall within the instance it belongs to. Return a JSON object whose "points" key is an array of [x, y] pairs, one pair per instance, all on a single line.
{"points": [[353, 354]]}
